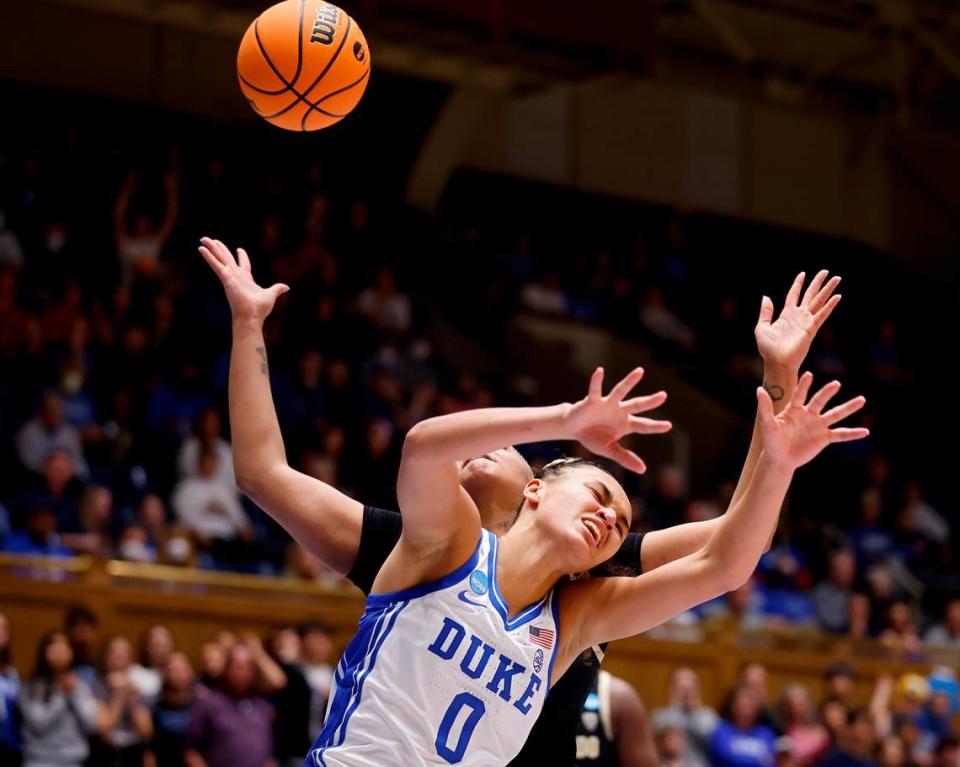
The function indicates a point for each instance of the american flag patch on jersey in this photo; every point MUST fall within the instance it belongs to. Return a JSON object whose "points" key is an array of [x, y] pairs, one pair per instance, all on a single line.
{"points": [[542, 637]]}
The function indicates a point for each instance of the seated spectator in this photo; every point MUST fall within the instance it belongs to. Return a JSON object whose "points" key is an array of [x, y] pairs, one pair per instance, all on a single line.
{"points": [[171, 712], [657, 318], [545, 295], [39, 537], [212, 512], [58, 709], [231, 726], [755, 677], [947, 632], [58, 489], [688, 712], [839, 679], [808, 738], [855, 744], [208, 434], [739, 739], [833, 715], [900, 632], [871, 541], [96, 518], [831, 597], [741, 609], [82, 625], [47, 432], [125, 725], [923, 517], [671, 744], [10, 745], [156, 647], [384, 305]]}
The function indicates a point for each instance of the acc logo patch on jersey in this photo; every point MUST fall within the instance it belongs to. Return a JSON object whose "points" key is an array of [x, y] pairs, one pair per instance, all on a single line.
{"points": [[538, 660], [478, 582]]}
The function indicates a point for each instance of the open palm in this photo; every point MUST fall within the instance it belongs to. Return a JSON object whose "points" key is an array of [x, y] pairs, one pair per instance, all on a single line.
{"points": [[787, 340], [246, 297], [802, 430], [599, 423]]}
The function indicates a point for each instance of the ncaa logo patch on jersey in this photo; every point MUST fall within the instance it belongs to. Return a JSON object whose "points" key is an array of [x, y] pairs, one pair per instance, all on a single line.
{"points": [[478, 582]]}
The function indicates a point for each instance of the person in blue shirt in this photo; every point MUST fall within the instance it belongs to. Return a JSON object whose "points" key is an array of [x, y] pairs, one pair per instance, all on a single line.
{"points": [[739, 740], [39, 538]]}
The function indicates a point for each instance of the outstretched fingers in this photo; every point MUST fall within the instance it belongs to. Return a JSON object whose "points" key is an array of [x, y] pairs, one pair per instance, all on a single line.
{"points": [[802, 390], [820, 316], [837, 414], [596, 384], [824, 294], [215, 263], [216, 249], [848, 435], [814, 288], [244, 259], [622, 389], [819, 400], [649, 425], [626, 458], [793, 295], [644, 403]]}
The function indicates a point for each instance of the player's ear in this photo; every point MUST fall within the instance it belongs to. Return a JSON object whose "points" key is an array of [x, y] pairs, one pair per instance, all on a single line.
{"points": [[533, 492]]}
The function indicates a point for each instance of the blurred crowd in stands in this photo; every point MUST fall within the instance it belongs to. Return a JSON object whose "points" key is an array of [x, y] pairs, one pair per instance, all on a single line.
{"points": [[114, 350], [90, 698]]}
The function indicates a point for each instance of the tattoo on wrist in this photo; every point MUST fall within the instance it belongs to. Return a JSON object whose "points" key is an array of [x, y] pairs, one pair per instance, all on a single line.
{"points": [[775, 392], [263, 364]]}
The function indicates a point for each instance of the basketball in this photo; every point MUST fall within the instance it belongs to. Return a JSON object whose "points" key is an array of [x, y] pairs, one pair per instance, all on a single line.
{"points": [[303, 64]]}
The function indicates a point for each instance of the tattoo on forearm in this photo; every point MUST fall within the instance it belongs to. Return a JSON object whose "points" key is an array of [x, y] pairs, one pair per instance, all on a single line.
{"points": [[263, 364], [775, 392]]}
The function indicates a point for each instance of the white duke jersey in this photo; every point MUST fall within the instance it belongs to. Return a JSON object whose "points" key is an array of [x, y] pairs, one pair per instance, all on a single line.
{"points": [[437, 675]]}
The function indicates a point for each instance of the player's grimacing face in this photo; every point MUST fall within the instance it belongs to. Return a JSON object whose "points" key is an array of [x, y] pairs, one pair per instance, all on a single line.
{"points": [[589, 511]]}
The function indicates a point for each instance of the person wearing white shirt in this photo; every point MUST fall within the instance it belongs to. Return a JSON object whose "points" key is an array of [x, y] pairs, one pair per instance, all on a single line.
{"points": [[208, 508]]}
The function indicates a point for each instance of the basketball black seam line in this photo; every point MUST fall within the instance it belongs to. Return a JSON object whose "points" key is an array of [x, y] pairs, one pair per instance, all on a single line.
{"points": [[263, 52], [315, 83], [301, 97], [314, 107], [344, 88]]}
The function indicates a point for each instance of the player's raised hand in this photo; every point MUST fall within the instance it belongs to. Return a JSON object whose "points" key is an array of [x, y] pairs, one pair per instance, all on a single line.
{"points": [[599, 422], [784, 342], [802, 430], [247, 299]]}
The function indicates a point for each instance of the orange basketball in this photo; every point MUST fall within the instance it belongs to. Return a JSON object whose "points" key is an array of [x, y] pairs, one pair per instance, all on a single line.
{"points": [[303, 64]]}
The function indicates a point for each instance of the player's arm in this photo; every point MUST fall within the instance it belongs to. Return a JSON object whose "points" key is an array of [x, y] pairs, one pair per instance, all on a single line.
{"points": [[322, 519], [631, 726], [783, 345], [440, 521], [601, 610]]}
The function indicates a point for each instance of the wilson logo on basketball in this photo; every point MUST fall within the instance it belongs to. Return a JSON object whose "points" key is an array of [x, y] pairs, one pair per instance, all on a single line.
{"points": [[325, 25], [359, 51]]}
